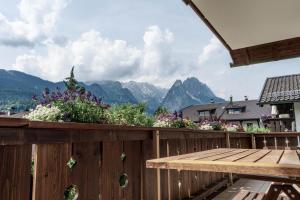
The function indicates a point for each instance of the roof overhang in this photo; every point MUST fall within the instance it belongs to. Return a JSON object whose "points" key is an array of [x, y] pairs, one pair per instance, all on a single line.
{"points": [[253, 31]]}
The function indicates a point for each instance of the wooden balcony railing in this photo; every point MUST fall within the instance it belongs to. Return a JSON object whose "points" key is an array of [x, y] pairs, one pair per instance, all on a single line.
{"points": [[106, 155]]}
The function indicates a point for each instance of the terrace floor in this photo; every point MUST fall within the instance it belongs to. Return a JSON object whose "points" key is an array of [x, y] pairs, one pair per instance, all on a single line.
{"points": [[247, 184]]}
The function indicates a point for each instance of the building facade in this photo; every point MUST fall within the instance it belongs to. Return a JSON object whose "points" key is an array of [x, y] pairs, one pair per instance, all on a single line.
{"points": [[282, 93], [246, 113]]}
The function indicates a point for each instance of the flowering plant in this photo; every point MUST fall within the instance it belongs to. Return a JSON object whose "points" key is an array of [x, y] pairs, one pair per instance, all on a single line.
{"points": [[164, 120], [173, 121], [206, 126], [127, 114], [45, 113], [231, 127], [72, 105]]}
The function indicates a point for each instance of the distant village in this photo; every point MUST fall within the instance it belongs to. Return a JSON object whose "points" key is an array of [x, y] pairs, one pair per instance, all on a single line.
{"points": [[277, 108]]}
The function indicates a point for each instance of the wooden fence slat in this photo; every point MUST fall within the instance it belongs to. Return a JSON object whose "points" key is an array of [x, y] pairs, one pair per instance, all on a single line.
{"points": [[132, 149], [111, 170], [149, 174], [86, 173], [15, 165], [52, 173]]}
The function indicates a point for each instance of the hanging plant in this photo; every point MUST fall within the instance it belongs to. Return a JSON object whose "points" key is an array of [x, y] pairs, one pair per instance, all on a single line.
{"points": [[71, 163], [123, 157], [71, 193], [123, 180]]}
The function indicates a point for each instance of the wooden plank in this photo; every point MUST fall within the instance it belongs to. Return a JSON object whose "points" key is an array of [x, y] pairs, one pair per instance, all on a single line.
{"points": [[132, 150], [229, 167], [111, 170], [272, 157], [15, 165], [239, 156], [197, 155], [260, 196], [52, 174], [148, 174], [290, 157], [13, 122], [251, 196], [211, 189], [86, 173], [241, 195], [256, 156], [222, 156]]}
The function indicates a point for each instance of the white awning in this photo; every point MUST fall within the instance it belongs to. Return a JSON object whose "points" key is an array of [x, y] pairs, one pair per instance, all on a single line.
{"points": [[273, 25]]}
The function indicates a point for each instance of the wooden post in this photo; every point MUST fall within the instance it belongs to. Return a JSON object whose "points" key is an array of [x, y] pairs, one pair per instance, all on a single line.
{"points": [[169, 176], [156, 149], [253, 142], [230, 177], [227, 140]]}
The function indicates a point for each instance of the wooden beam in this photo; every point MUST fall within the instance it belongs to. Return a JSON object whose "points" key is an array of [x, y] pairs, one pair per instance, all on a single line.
{"points": [[229, 167], [274, 51], [279, 50], [13, 122]]}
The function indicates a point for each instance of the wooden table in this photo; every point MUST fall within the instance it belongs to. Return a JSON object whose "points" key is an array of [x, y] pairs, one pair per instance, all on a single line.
{"points": [[255, 162]]}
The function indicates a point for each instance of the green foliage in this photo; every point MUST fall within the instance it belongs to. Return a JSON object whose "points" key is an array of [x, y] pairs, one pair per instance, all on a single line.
{"points": [[161, 110], [71, 163], [128, 114], [71, 83], [255, 129], [184, 123], [80, 110], [32, 168], [123, 180], [123, 157], [71, 193]]}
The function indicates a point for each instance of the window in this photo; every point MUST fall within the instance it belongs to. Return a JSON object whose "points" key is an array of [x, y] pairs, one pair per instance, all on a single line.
{"points": [[249, 125], [204, 113], [234, 110]]}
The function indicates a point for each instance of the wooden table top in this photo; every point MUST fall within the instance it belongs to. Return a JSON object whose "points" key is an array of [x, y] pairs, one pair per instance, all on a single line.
{"points": [[239, 161]]}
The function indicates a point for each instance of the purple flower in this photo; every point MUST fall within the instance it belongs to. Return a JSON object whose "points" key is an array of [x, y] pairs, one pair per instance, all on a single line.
{"points": [[34, 98], [46, 91]]}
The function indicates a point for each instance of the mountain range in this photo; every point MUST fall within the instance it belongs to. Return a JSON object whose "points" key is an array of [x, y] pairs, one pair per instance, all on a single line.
{"points": [[17, 89]]}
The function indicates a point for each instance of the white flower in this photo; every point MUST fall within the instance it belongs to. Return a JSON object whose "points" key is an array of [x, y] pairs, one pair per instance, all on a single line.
{"points": [[206, 127], [44, 113], [162, 123]]}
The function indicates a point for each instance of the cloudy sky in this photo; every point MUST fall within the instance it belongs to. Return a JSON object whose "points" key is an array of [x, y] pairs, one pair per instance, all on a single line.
{"points": [[156, 41]]}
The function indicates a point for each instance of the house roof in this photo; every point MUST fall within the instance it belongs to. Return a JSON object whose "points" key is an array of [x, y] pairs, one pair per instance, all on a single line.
{"points": [[253, 31], [252, 110], [281, 89]]}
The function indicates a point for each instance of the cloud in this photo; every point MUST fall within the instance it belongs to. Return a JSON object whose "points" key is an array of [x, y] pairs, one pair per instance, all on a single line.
{"points": [[210, 50], [96, 58], [36, 22]]}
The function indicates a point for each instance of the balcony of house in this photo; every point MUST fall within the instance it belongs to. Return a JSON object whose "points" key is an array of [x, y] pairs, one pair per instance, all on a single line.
{"points": [[43, 160]]}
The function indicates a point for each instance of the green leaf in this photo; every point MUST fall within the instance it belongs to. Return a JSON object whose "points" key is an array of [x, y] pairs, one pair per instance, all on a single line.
{"points": [[71, 163]]}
